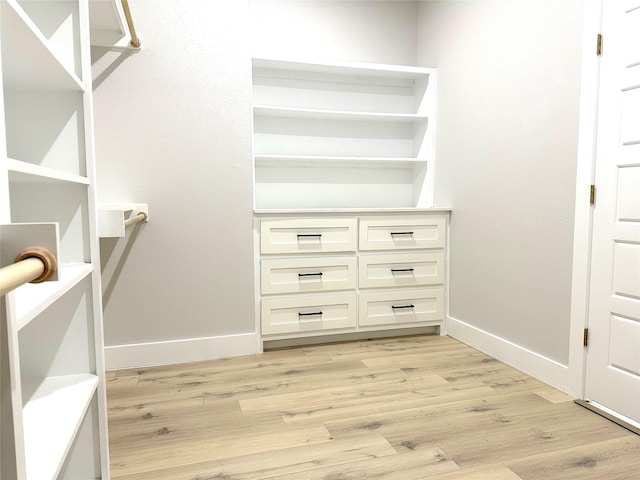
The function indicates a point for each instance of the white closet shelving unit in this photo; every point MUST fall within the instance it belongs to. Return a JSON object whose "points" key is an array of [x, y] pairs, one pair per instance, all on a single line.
{"points": [[349, 241], [336, 135], [53, 408]]}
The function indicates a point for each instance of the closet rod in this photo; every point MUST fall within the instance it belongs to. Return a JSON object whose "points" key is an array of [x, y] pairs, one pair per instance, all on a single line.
{"points": [[140, 217], [135, 41], [33, 264]]}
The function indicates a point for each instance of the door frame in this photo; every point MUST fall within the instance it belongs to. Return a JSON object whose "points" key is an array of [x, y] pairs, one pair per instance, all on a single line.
{"points": [[585, 177]]}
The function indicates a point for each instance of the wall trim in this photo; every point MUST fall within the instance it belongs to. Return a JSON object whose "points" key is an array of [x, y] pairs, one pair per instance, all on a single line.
{"points": [[533, 364], [179, 351]]}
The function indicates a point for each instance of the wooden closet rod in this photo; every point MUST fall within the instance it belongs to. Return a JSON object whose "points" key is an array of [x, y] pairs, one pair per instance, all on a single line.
{"points": [[140, 217], [135, 41], [33, 264]]}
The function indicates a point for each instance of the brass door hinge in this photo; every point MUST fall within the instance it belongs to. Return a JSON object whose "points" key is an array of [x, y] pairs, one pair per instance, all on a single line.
{"points": [[585, 337], [599, 45], [592, 195]]}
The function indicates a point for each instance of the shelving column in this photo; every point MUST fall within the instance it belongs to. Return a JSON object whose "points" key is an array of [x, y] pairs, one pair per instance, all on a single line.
{"points": [[52, 368]]}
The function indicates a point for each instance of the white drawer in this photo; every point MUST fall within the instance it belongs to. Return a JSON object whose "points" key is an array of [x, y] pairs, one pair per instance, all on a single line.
{"points": [[311, 235], [403, 307], [400, 270], [403, 233], [295, 275], [308, 314]]}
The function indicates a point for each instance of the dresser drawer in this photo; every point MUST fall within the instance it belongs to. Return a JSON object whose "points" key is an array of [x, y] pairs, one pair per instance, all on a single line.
{"points": [[400, 270], [403, 307], [308, 314], [311, 235], [295, 275], [403, 233]]}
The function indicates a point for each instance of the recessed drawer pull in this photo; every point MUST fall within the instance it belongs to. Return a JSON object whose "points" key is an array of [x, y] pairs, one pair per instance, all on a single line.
{"points": [[394, 270], [309, 235], [402, 306], [401, 233], [309, 314], [317, 274]]}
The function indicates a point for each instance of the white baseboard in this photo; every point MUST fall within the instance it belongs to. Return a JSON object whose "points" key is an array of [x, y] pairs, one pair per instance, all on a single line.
{"points": [[179, 351], [533, 364]]}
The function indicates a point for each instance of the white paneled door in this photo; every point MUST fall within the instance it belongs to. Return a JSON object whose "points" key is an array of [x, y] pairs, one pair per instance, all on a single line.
{"points": [[613, 358]]}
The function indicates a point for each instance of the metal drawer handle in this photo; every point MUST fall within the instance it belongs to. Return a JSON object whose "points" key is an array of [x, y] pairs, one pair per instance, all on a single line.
{"points": [[401, 233], [318, 274], [403, 306], [309, 235], [301, 314], [394, 270]]}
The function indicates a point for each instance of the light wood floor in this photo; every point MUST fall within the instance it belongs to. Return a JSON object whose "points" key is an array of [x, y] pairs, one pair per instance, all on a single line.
{"points": [[408, 408]]}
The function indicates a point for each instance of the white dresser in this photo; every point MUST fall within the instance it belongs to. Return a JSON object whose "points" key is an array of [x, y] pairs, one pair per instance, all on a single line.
{"points": [[326, 273]]}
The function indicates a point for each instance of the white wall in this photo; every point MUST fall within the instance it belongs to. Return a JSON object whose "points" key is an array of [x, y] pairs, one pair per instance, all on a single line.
{"points": [[508, 81], [173, 129], [374, 31]]}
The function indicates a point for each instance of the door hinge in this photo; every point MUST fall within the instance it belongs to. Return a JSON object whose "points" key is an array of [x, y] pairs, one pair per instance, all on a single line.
{"points": [[592, 195], [599, 45], [585, 337]]}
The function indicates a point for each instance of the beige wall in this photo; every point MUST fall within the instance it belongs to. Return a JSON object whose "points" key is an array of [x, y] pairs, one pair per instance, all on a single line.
{"points": [[508, 91], [173, 129]]}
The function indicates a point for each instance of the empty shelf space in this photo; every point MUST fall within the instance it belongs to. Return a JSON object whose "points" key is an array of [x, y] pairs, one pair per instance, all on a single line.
{"points": [[28, 61], [33, 298], [29, 172], [52, 416]]}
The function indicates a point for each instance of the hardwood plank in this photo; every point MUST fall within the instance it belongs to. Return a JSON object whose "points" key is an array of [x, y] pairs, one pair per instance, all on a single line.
{"points": [[617, 459], [483, 472], [142, 404], [279, 462], [321, 396], [495, 374], [383, 404], [181, 452], [298, 382], [157, 426], [553, 395], [411, 465]]}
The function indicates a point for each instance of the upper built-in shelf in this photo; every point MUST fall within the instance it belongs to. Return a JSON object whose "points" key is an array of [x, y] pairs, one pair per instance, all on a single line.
{"points": [[342, 87], [30, 61], [368, 70], [320, 114], [342, 134], [336, 161]]}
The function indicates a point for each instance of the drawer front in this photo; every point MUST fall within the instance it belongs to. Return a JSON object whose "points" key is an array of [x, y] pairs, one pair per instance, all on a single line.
{"points": [[308, 314], [400, 270], [404, 307], [403, 233], [312, 235], [296, 275]]}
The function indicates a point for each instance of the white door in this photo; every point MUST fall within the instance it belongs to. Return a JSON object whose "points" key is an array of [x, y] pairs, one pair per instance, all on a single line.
{"points": [[613, 354]]}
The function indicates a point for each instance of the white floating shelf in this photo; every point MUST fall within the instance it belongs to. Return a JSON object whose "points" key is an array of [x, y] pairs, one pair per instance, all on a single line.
{"points": [[28, 172], [372, 70], [337, 161], [32, 299], [51, 418], [309, 113], [28, 62], [111, 217]]}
